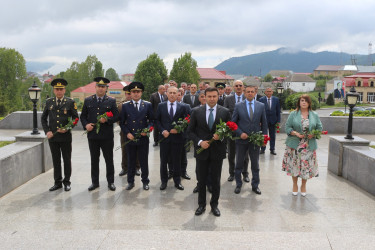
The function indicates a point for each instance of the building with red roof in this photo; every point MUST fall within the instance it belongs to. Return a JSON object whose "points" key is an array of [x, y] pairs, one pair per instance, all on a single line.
{"points": [[114, 90], [364, 84], [213, 76], [127, 77]]}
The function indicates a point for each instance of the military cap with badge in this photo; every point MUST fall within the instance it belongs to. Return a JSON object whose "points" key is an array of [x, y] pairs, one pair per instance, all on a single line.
{"points": [[220, 85]]}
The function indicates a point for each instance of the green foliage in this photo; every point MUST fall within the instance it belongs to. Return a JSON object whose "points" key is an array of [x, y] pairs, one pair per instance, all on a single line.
{"points": [[12, 70], [330, 101], [320, 85], [268, 78], [358, 113], [283, 97], [291, 101], [4, 143], [112, 75], [151, 72], [185, 69], [322, 77]]}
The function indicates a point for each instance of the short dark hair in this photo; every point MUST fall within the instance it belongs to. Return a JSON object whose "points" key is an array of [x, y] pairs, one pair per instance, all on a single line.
{"points": [[211, 89], [307, 98]]}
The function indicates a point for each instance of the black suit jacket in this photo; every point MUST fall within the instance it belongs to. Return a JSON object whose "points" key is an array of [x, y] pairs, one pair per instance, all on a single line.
{"points": [[155, 100], [221, 101], [198, 130], [92, 109], [164, 121], [187, 100]]}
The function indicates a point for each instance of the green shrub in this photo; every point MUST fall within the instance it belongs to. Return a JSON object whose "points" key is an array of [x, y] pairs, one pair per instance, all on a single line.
{"points": [[337, 113], [330, 100], [291, 101]]}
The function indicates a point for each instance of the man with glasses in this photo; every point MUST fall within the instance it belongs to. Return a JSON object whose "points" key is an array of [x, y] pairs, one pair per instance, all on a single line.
{"points": [[93, 106], [230, 102]]}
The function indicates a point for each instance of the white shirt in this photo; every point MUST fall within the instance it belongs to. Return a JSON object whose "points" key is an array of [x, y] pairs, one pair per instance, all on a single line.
{"points": [[139, 103], [174, 106], [236, 97]]}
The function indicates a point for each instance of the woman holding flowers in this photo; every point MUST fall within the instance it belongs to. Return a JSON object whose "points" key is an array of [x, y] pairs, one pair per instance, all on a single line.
{"points": [[300, 153]]}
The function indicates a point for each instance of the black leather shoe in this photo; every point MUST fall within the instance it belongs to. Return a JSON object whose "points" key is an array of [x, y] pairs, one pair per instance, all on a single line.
{"points": [[200, 210], [273, 152], [179, 186], [261, 152], [67, 187], [146, 187], [112, 187], [231, 178], [186, 176], [256, 190], [195, 190], [215, 211], [163, 186], [246, 179], [155, 144], [130, 186], [93, 187], [209, 188], [237, 190], [170, 176], [137, 172], [55, 187], [123, 172]]}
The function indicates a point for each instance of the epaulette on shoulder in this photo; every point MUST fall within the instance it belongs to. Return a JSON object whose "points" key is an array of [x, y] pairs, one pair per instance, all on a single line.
{"points": [[49, 99]]}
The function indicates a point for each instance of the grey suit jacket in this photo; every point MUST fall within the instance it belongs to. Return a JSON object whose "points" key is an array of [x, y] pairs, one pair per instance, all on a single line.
{"points": [[245, 125], [230, 102], [187, 100]]}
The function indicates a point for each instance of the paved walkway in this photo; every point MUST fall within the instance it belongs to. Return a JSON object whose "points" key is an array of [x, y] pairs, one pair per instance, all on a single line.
{"points": [[335, 214]]}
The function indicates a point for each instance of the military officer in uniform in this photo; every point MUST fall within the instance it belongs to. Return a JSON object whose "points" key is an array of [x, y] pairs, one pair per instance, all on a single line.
{"points": [[55, 115], [94, 106], [220, 87], [124, 161], [135, 116]]}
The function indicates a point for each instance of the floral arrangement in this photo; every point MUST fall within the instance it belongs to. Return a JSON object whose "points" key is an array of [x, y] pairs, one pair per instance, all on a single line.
{"points": [[180, 125], [69, 126], [277, 126], [258, 139], [137, 136], [317, 133]]}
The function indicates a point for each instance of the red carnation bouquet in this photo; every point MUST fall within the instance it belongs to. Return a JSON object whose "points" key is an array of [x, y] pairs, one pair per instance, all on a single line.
{"points": [[258, 139], [137, 136], [180, 125], [106, 115], [223, 130], [69, 126], [277, 126], [317, 133]]}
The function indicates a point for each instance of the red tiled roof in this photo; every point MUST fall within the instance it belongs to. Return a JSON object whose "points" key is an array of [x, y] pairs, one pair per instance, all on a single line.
{"points": [[350, 80], [48, 80], [128, 74], [211, 73], [90, 88]]}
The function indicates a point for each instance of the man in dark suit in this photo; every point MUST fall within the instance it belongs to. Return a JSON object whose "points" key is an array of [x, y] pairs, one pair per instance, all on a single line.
{"points": [[135, 116], [250, 116], [124, 154], [257, 96], [192, 98], [229, 103], [220, 87], [94, 106], [201, 129], [273, 111], [172, 145], [56, 113], [155, 99]]}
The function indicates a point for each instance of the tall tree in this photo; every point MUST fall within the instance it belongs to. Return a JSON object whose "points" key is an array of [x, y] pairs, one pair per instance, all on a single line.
{"points": [[12, 71], [185, 69], [151, 72], [112, 75], [268, 78]]}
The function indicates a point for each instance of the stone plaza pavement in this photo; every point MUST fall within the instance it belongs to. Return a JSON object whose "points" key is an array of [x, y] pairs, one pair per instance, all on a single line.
{"points": [[335, 214]]}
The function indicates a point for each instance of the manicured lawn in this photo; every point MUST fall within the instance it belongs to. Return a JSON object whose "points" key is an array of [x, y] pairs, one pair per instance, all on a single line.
{"points": [[4, 143], [373, 147]]}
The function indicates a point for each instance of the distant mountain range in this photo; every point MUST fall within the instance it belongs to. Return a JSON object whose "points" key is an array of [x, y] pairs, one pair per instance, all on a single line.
{"points": [[287, 59], [38, 66]]}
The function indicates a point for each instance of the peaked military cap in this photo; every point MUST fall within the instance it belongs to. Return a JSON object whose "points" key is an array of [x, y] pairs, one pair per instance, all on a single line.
{"points": [[59, 83], [136, 86], [101, 81], [220, 85], [126, 89]]}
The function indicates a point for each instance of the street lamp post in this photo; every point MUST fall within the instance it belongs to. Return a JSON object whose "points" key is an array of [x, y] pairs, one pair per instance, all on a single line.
{"points": [[351, 100], [280, 90], [34, 94]]}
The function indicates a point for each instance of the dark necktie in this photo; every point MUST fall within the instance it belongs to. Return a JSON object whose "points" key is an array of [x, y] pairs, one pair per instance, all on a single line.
{"points": [[136, 106], [161, 98], [100, 100], [211, 119], [238, 99], [58, 103], [171, 111], [251, 111]]}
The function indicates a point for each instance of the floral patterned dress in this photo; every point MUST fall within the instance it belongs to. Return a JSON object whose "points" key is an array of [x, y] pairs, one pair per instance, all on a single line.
{"points": [[301, 162]]}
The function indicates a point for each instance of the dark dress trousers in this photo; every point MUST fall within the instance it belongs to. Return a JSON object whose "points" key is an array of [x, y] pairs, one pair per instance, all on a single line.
{"points": [[61, 143], [209, 160], [187, 100], [132, 121], [104, 139], [172, 146], [184, 161], [155, 99], [229, 103], [245, 125], [273, 117]]}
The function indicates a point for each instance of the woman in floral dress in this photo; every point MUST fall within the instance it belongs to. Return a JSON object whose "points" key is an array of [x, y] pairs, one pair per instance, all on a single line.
{"points": [[300, 153]]}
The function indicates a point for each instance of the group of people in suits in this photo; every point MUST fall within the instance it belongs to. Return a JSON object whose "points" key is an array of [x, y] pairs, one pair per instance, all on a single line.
{"points": [[137, 117]]}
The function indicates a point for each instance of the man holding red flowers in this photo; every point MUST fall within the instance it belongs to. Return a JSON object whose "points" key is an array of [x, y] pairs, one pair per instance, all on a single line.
{"points": [[136, 118], [100, 109], [58, 112]]}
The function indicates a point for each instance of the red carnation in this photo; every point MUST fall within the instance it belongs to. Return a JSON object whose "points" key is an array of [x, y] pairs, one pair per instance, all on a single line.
{"points": [[109, 114], [151, 128], [278, 131], [232, 125], [77, 119], [324, 132]]}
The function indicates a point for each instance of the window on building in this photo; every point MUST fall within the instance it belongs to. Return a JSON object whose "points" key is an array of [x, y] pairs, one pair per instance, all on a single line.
{"points": [[371, 97], [359, 83], [372, 84], [360, 98]]}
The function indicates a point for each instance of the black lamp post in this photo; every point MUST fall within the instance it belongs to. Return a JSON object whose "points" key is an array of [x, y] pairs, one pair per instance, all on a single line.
{"points": [[351, 100], [280, 90], [34, 93]]}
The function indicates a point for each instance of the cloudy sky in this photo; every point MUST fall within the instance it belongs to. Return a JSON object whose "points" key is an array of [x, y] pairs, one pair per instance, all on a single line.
{"points": [[123, 33]]}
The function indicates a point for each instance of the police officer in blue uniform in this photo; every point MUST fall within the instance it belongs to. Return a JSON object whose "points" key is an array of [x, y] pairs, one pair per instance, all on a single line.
{"points": [[94, 106], [55, 115], [135, 116]]}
